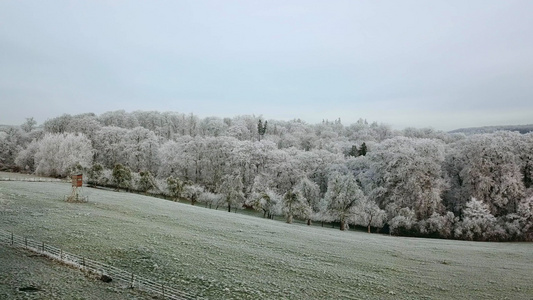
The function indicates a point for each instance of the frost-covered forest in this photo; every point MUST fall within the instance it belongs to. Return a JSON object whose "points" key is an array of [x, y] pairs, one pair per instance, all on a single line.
{"points": [[418, 182]]}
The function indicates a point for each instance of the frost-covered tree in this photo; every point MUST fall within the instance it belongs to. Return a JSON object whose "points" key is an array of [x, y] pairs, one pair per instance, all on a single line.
{"points": [[437, 225], [26, 157], [294, 206], [283, 169], [368, 214], [218, 161], [58, 124], [94, 174], [119, 118], [403, 222], [171, 155], [141, 147], [110, 146], [85, 123], [525, 219], [210, 199], [267, 201], [240, 130], [175, 187], [212, 126], [487, 167], [408, 174], [145, 181], [477, 223], [231, 188], [60, 154], [308, 192], [29, 125], [525, 153], [12, 140], [193, 192], [342, 197]]}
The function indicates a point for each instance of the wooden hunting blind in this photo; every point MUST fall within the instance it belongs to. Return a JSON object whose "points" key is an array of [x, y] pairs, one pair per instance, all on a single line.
{"points": [[77, 180]]}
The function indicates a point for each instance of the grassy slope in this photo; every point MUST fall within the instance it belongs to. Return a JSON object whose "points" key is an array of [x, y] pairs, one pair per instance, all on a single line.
{"points": [[21, 269], [221, 255]]}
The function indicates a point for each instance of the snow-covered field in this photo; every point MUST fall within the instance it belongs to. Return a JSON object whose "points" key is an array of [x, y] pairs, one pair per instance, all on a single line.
{"points": [[216, 254], [25, 275]]}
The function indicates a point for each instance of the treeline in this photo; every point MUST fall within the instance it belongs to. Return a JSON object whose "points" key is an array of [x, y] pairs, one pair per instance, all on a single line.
{"points": [[417, 182], [491, 129]]}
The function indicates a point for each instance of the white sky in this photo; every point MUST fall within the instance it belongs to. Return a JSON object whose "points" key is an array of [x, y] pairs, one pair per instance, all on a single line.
{"points": [[441, 64]]}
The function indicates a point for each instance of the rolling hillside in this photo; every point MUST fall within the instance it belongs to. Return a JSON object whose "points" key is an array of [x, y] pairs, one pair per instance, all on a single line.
{"points": [[220, 255]]}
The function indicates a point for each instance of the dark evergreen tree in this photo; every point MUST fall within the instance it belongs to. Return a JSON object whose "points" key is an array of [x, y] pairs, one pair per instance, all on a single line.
{"points": [[121, 176], [363, 150], [146, 181], [354, 151], [261, 128]]}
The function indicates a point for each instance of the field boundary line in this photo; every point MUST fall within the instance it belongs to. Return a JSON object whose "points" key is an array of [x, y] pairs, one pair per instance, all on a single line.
{"points": [[95, 267], [33, 179]]}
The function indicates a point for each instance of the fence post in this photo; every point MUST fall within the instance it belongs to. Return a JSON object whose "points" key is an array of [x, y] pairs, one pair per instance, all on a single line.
{"points": [[43, 247], [12, 239], [83, 261], [163, 288], [132, 280], [61, 254]]}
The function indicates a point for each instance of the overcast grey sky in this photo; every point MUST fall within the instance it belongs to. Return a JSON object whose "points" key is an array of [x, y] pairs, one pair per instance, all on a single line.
{"points": [[441, 64]]}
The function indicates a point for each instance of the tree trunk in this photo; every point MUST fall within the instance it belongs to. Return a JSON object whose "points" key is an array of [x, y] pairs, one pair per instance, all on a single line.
{"points": [[342, 225], [289, 219], [308, 222], [369, 222], [229, 207]]}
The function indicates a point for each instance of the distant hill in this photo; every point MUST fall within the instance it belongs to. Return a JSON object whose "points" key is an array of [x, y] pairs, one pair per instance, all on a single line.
{"points": [[5, 127], [489, 129]]}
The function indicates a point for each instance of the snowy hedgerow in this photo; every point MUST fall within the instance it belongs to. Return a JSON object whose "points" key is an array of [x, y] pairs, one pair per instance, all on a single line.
{"points": [[478, 223], [404, 222], [193, 192], [438, 225], [210, 199]]}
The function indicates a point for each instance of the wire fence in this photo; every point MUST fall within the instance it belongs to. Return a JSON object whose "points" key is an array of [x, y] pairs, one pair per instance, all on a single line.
{"points": [[33, 179], [95, 267]]}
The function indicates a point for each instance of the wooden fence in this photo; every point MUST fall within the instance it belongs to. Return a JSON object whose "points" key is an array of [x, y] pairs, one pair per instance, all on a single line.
{"points": [[95, 267]]}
